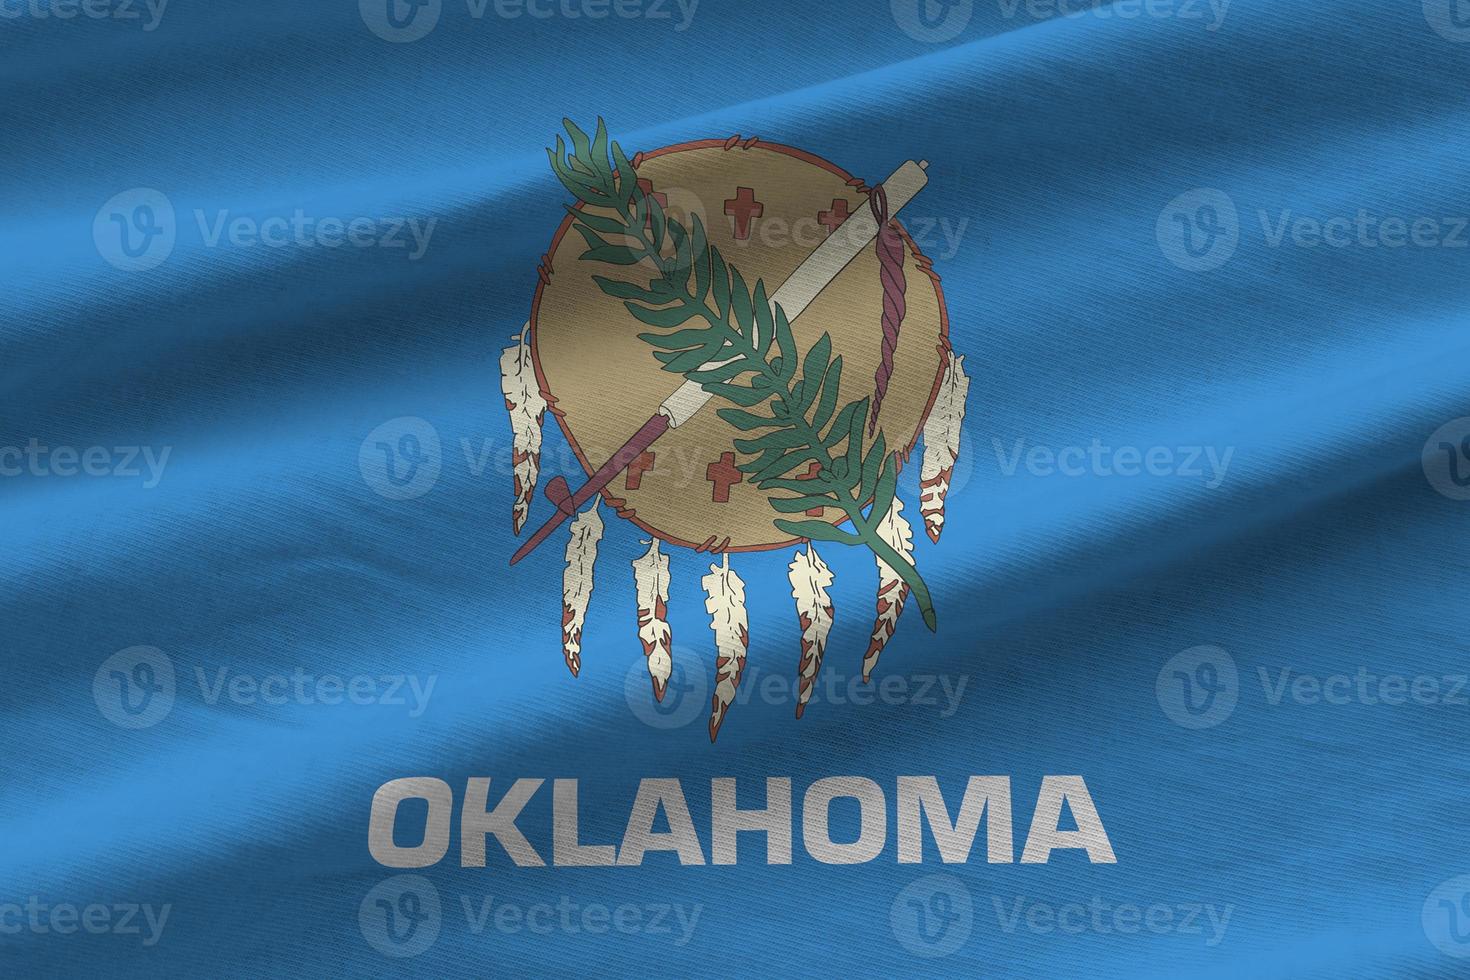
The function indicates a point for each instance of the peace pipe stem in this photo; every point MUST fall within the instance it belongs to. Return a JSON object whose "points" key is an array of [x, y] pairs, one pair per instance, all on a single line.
{"points": [[656, 426]]}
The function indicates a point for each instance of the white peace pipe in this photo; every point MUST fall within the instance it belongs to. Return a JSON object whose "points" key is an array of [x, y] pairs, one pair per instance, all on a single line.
{"points": [[812, 276]]}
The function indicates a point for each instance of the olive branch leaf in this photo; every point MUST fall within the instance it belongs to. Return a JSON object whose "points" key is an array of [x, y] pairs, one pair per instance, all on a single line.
{"points": [[741, 349]]}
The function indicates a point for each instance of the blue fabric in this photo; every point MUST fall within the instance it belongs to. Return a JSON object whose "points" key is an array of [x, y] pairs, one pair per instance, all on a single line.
{"points": [[1089, 306]]}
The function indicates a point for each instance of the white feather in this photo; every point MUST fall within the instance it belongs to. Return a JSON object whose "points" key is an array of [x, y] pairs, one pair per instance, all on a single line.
{"points": [[527, 411], [576, 583], [725, 603], [809, 577], [942, 445], [892, 590], [651, 577]]}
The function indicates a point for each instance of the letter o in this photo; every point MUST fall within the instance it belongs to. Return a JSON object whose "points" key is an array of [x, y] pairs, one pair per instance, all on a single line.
{"points": [[436, 825], [814, 813]]}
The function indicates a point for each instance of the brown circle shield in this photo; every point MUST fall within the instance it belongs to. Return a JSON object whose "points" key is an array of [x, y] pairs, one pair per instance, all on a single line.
{"points": [[766, 207]]}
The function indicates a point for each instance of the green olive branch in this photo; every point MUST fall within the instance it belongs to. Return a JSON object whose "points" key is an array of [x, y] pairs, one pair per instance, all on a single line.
{"points": [[741, 339]]}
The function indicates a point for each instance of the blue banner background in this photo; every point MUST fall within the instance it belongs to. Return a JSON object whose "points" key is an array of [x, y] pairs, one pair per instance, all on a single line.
{"points": [[1063, 142]]}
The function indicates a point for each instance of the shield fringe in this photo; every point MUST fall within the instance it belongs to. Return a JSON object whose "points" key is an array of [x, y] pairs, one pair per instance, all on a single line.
{"points": [[892, 590], [527, 411], [651, 577], [576, 583], [942, 445], [809, 577], [725, 603]]}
